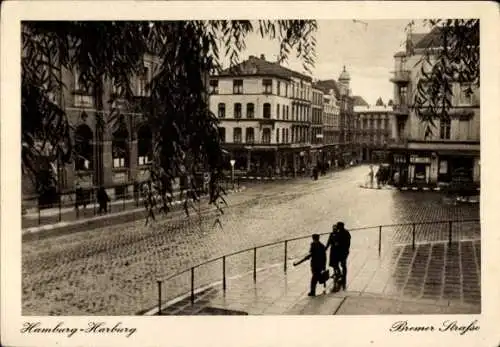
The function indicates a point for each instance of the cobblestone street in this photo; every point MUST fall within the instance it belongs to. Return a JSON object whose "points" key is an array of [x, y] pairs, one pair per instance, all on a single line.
{"points": [[113, 270]]}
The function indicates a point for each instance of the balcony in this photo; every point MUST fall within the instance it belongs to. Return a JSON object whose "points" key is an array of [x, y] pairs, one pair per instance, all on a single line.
{"points": [[401, 77]]}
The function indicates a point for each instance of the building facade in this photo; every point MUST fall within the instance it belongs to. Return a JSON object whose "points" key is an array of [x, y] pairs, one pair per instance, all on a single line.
{"points": [[265, 116], [117, 157], [374, 127], [451, 152], [317, 136]]}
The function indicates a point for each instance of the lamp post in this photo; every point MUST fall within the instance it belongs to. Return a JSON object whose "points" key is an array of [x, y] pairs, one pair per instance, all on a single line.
{"points": [[232, 162]]}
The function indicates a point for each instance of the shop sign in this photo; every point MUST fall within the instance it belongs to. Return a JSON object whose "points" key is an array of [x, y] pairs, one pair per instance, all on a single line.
{"points": [[419, 160]]}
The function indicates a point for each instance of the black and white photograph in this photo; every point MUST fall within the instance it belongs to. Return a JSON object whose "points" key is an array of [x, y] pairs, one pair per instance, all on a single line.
{"points": [[249, 167]]}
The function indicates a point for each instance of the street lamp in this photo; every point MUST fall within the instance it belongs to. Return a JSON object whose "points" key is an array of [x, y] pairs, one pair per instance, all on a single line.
{"points": [[232, 162]]}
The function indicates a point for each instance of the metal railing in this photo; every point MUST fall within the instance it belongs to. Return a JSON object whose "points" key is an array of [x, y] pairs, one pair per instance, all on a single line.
{"points": [[65, 207], [373, 238]]}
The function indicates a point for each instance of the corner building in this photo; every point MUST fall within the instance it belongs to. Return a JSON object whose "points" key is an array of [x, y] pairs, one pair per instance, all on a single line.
{"points": [[452, 152], [265, 116]]}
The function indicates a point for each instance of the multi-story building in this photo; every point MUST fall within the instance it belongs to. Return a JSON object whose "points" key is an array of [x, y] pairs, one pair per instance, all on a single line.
{"points": [[375, 131], [317, 136], [330, 121], [117, 156], [451, 152], [265, 116]]}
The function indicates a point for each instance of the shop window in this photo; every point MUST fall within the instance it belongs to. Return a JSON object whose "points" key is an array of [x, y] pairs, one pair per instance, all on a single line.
{"points": [[144, 145], [83, 148], [250, 110], [444, 129], [237, 135], [420, 172], [221, 110]]}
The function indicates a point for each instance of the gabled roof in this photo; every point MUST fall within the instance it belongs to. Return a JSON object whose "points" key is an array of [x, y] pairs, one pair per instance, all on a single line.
{"points": [[326, 85], [359, 101], [432, 39], [261, 67]]}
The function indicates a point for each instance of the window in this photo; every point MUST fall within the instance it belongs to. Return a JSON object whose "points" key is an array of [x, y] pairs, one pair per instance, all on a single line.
{"points": [[283, 111], [278, 88], [466, 94], [287, 112], [237, 135], [237, 86], [222, 110], [250, 135], [83, 148], [266, 135], [286, 89], [267, 110], [278, 111], [237, 110], [119, 146], [144, 147], [268, 86], [250, 110], [222, 134], [277, 135], [444, 129], [214, 86]]}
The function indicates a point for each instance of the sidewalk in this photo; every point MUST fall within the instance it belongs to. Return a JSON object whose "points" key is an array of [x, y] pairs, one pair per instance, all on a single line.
{"points": [[119, 211], [433, 279]]}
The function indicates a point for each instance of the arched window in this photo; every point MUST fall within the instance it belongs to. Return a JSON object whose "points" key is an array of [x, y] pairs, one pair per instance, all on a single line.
{"points": [[120, 146], [84, 151], [144, 145]]}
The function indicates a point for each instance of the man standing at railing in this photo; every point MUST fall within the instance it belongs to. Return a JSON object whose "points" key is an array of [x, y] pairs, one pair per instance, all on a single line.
{"points": [[339, 242], [317, 254]]}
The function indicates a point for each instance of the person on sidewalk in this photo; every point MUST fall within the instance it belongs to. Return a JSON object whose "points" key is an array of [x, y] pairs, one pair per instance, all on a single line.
{"points": [[102, 199], [339, 242], [317, 254]]}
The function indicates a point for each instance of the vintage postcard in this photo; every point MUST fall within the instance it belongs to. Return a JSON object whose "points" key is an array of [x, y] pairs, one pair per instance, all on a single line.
{"points": [[311, 173]]}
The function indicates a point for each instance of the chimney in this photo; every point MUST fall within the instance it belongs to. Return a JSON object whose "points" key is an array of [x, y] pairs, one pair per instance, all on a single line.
{"points": [[263, 57]]}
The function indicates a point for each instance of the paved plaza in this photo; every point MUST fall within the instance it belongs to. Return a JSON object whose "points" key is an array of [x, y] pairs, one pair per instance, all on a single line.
{"points": [[114, 270], [404, 281]]}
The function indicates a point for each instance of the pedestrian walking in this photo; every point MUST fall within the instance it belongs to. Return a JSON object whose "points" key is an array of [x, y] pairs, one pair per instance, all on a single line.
{"points": [[370, 176], [149, 203], [102, 199], [339, 243], [79, 199], [378, 177], [317, 254]]}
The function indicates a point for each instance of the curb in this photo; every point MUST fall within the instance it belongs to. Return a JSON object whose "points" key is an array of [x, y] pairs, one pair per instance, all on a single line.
{"points": [[96, 221], [407, 188]]}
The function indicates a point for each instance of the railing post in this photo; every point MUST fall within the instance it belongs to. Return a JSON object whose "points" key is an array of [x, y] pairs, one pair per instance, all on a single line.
{"points": [[60, 217], [450, 229], [413, 237], [224, 273], [192, 285], [159, 298], [39, 214], [286, 250], [255, 264], [379, 240]]}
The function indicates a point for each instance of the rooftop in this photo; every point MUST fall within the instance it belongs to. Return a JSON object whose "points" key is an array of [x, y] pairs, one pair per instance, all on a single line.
{"points": [[327, 85], [359, 101], [261, 67]]}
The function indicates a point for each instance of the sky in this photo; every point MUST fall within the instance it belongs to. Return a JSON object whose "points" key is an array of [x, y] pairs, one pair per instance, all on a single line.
{"points": [[365, 47]]}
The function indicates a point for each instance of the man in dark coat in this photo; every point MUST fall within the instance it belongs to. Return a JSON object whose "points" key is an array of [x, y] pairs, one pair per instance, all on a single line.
{"points": [[317, 254], [339, 243], [102, 199]]}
